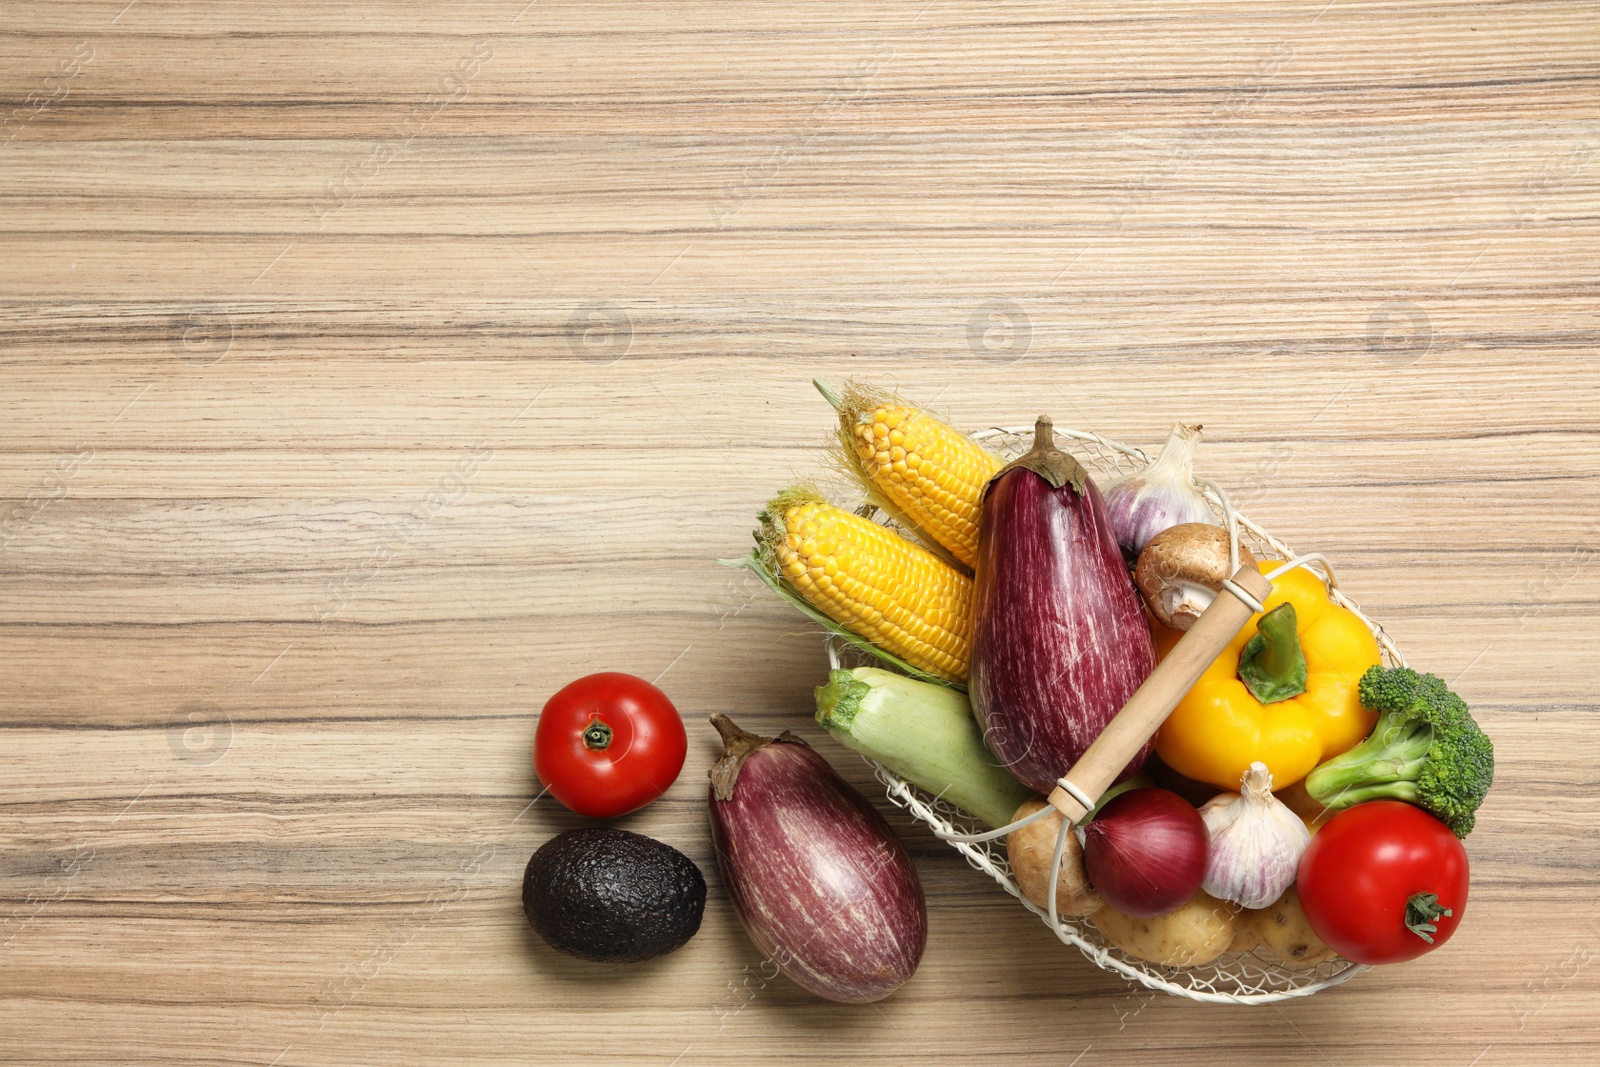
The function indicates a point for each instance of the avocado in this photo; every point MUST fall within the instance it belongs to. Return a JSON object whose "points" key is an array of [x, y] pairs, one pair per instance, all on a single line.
{"points": [[612, 896]]}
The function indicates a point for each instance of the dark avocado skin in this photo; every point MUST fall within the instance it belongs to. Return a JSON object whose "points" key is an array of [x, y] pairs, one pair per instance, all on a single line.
{"points": [[612, 896]]}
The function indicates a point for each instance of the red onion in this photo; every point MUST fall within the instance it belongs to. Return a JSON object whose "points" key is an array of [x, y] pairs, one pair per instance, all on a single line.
{"points": [[1146, 851]]}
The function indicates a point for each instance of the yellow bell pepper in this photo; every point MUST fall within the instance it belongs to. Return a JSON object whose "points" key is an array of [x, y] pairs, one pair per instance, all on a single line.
{"points": [[1222, 725]]}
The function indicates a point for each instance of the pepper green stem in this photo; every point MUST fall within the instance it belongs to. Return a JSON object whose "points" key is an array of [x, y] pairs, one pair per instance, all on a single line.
{"points": [[1271, 664]]}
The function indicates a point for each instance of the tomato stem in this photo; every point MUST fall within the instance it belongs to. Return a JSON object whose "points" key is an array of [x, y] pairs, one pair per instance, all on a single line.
{"points": [[1422, 911], [597, 736]]}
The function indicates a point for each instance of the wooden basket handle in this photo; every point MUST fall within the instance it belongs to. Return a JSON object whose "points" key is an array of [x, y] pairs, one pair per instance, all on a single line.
{"points": [[1153, 701]]}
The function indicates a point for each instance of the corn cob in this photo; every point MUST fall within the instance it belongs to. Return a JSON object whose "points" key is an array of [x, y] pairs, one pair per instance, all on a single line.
{"points": [[928, 472], [871, 581]]}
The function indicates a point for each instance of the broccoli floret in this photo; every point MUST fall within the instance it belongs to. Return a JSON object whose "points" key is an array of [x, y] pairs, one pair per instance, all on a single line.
{"points": [[1426, 749]]}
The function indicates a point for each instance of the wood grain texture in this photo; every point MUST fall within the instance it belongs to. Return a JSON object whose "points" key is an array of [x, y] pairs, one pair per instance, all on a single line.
{"points": [[370, 370]]}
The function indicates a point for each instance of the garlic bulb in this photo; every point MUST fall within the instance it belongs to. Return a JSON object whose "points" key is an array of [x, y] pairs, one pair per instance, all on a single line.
{"points": [[1256, 842], [1160, 496]]}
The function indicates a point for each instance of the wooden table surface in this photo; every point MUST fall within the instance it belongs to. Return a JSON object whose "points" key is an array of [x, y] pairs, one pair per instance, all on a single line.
{"points": [[368, 371]]}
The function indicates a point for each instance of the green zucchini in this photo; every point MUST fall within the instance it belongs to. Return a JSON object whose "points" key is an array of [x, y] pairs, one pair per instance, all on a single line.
{"points": [[923, 732]]}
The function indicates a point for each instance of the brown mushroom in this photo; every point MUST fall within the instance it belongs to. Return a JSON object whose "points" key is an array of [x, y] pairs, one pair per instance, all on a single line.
{"points": [[1181, 570]]}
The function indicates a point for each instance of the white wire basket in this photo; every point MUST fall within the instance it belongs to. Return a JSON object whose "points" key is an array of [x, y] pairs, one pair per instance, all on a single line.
{"points": [[1233, 978]]}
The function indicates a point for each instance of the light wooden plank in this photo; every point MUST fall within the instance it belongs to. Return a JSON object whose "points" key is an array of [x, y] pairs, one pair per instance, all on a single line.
{"points": [[263, 695]]}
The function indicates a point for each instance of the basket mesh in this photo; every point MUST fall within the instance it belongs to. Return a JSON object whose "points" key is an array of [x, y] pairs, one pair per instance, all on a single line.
{"points": [[1234, 978]]}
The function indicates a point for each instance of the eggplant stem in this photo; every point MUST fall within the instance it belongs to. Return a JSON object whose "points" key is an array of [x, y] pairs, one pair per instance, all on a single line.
{"points": [[737, 746], [733, 735], [1047, 461]]}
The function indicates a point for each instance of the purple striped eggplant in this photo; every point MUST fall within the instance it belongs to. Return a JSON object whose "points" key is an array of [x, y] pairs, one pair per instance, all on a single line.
{"points": [[823, 887], [1059, 637]]}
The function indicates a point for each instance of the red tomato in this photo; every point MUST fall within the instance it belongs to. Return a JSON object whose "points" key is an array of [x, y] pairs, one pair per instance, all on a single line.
{"points": [[1366, 880], [608, 744]]}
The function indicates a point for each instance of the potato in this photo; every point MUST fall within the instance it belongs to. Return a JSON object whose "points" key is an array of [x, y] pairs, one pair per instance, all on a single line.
{"points": [[1196, 933], [1285, 935], [1247, 932], [1030, 850]]}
